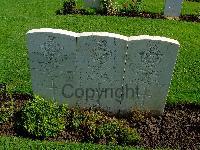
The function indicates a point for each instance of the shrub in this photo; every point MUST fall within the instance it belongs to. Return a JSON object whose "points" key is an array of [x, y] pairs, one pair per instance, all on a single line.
{"points": [[128, 136], [193, 0], [131, 6], [109, 7], [84, 122], [71, 7], [108, 131], [6, 110], [118, 132], [90, 11], [96, 127], [6, 104], [42, 118]]}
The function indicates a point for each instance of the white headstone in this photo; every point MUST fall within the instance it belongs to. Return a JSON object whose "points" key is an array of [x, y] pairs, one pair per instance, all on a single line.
{"points": [[111, 71], [149, 67], [172, 8], [52, 55], [92, 4], [101, 64]]}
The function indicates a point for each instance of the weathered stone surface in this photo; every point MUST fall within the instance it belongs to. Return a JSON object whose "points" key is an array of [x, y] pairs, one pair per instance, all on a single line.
{"points": [[173, 8], [102, 57], [149, 66], [92, 4], [52, 55], [101, 69]]}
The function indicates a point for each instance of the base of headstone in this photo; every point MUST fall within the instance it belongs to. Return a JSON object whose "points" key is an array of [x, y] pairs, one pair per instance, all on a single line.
{"points": [[172, 18], [173, 8]]}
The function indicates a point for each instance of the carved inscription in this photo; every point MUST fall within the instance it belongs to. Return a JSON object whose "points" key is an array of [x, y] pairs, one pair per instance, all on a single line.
{"points": [[51, 56], [150, 58], [99, 55]]}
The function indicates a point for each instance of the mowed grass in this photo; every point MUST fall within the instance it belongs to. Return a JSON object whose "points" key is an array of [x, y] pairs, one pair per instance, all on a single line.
{"points": [[16, 18], [8, 143], [157, 6]]}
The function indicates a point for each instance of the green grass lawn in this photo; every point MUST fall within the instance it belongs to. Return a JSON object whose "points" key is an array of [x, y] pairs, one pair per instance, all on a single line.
{"points": [[16, 18], [8, 143], [157, 6]]}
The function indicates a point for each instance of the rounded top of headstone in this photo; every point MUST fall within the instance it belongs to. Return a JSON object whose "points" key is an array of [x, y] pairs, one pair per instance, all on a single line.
{"points": [[156, 38], [107, 34]]}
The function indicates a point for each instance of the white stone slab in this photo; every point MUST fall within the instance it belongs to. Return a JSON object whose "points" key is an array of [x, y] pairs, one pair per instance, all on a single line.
{"points": [[149, 66], [52, 55], [173, 8], [101, 63], [92, 4], [101, 69]]}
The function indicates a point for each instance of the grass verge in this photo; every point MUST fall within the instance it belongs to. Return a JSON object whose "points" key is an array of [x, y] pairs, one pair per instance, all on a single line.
{"points": [[19, 17], [7, 143]]}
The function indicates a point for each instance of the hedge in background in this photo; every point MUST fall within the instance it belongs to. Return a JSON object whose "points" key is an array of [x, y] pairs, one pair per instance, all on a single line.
{"points": [[193, 0]]}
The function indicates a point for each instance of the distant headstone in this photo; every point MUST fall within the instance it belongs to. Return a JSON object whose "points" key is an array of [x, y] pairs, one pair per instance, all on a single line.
{"points": [[92, 4], [111, 71], [173, 8]]}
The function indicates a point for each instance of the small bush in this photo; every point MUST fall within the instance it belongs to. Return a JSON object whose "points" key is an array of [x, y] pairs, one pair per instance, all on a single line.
{"points": [[128, 136], [90, 11], [42, 118], [6, 110], [118, 132], [109, 7], [96, 127], [193, 0], [84, 122], [131, 6], [71, 7], [109, 132]]}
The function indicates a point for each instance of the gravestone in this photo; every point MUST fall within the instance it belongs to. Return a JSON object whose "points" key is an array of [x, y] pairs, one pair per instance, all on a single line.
{"points": [[101, 64], [52, 57], [173, 8], [99, 69], [92, 4], [149, 68]]}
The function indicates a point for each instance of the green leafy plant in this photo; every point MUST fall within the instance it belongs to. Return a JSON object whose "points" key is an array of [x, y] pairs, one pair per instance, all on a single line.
{"points": [[69, 7], [84, 122], [108, 131], [193, 0], [128, 136], [6, 104], [131, 6], [138, 5], [109, 7], [118, 132], [6, 110], [95, 126], [73, 7], [43, 118], [90, 11]]}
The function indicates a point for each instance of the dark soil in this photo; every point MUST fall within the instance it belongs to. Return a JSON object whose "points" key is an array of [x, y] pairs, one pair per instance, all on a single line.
{"points": [[150, 15], [178, 127], [188, 18]]}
